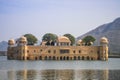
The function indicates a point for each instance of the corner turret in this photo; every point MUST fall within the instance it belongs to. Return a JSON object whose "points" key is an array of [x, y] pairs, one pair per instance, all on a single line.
{"points": [[63, 41], [79, 43], [11, 42], [103, 41], [104, 48], [22, 41]]}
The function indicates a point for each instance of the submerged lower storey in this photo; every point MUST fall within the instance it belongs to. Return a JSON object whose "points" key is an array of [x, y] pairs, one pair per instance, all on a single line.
{"points": [[58, 53]]}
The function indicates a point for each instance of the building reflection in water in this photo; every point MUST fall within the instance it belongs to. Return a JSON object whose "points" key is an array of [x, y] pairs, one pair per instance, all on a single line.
{"points": [[22, 75], [92, 74], [67, 74], [57, 74]]}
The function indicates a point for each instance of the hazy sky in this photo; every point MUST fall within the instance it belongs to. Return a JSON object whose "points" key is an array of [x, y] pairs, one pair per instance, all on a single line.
{"points": [[18, 17]]}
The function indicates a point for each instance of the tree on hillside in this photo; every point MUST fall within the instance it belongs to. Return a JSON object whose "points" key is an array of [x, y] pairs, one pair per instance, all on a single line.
{"points": [[71, 38], [49, 37], [88, 40], [31, 39]]}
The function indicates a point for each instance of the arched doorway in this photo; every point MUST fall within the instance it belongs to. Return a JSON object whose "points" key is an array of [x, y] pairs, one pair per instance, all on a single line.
{"points": [[40, 58], [57, 58], [74, 57], [92, 58], [60, 57], [23, 58], [88, 58], [45, 58], [83, 58], [50, 58], [64, 58], [28, 58], [67, 58], [78, 57], [54, 58], [35, 58]]}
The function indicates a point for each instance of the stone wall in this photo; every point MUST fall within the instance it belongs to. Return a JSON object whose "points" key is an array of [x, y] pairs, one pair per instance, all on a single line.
{"points": [[57, 52]]}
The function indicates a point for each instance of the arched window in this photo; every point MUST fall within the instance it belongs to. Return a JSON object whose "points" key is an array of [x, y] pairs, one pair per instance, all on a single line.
{"points": [[27, 51], [41, 50], [74, 51], [79, 51], [91, 51], [49, 51]]}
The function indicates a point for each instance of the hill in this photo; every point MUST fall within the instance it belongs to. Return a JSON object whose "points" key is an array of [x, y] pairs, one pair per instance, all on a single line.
{"points": [[111, 31], [3, 46]]}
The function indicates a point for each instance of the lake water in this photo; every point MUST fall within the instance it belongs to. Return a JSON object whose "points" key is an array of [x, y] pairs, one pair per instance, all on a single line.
{"points": [[59, 70]]}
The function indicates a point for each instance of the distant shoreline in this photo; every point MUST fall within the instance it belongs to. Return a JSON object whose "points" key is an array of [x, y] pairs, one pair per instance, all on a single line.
{"points": [[114, 56], [3, 53]]}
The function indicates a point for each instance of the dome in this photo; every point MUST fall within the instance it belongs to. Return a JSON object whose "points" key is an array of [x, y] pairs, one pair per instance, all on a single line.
{"points": [[22, 39], [79, 41], [43, 43], [91, 43], [104, 40], [11, 42], [63, 39]]}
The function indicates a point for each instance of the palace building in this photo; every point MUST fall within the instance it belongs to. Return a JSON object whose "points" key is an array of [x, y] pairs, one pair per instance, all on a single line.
{"points": [[61, 50]]}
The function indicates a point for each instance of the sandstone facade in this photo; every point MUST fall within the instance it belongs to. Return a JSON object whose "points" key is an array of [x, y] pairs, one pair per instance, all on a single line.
{"points": [[61, 51]]}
